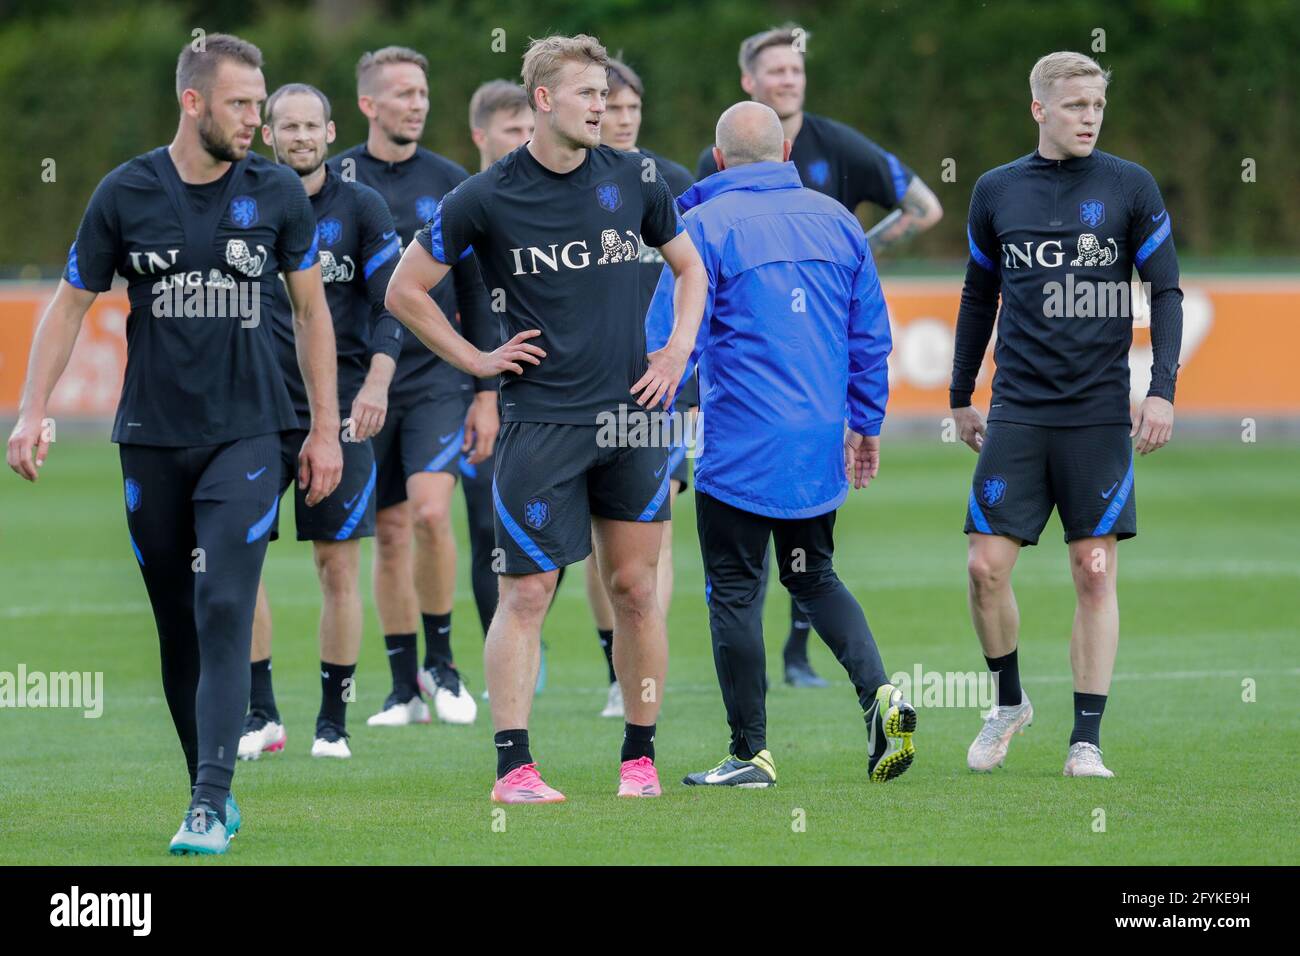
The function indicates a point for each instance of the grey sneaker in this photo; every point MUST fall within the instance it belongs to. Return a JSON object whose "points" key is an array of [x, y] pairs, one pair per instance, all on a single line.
{"points": [[989, 748], [1084, 760]]}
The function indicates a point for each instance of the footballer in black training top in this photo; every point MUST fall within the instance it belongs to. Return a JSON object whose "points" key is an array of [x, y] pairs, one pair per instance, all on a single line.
{"points": [[199, 230], [1057, 235], [358, 249], [434, 408], [557, 227], [620, 128]]}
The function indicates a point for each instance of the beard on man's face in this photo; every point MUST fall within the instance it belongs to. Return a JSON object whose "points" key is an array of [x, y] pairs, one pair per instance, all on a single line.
{"points": [[219, 147]]}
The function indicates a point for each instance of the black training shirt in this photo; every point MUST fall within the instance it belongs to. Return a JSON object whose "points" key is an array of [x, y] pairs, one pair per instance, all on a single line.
{"points": [[359, 250], [1058, 240], [412, 190], [564, 250], [201, 265]]}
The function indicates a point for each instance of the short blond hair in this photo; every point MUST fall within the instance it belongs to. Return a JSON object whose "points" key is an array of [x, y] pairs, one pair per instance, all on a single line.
{"points": [[371, 63], [545, 57], [1062, 65]]}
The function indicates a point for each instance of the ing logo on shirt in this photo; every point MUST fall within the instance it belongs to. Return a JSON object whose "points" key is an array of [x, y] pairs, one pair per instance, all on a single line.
{"points": [[336, 270]]}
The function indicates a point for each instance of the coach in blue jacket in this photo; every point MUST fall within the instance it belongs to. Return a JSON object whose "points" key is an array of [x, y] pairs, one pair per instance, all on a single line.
{"points": [[793, 382]]}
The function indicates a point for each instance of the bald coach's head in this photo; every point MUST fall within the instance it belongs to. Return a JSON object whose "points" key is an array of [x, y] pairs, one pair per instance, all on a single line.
{"points": [[749, 132]]}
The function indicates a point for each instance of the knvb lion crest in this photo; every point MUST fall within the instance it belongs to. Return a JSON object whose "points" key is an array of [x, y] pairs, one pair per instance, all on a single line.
{"points": [[243, 211], [993, 490], [819, 171], [609, 197], [536, 513], [1092, 213], [425, 207], [329, 231]]}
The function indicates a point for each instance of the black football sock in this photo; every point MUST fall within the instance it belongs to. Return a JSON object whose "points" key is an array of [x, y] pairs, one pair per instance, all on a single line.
{"points": [[1007, 671], [607, 645], [262, 697], [512, 750], [796, 643], [638, 742], [1088, 709], [213, 796], [437, 639], [401, 661], [336, 687], [742, 751]]}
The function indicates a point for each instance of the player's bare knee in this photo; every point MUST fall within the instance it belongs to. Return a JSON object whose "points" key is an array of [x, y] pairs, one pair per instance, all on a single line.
{"points": [[392, 531], [1094, 578], [986, 575], [432, 518], [526, 596], [633, 591], [337, 570]]}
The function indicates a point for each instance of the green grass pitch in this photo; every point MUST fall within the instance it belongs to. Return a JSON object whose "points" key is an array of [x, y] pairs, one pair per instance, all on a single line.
{"points": [[1209, 598]]}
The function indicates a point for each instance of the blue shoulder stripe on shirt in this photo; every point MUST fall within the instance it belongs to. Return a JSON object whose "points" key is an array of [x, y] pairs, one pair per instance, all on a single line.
{"points": [[74, 274], [382, 256], [1155, 239], [310, 258], [900, 177], [983, 261], [436, 248]]}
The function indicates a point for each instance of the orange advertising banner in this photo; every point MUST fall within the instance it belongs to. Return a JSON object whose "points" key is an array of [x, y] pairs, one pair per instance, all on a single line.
{"points": [[1240, 339]]}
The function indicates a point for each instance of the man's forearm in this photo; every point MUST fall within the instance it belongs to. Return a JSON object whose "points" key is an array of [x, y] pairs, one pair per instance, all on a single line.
{"points": [[690, 289], [426, 321], [317, 359], [380, 373], [51, 349]]}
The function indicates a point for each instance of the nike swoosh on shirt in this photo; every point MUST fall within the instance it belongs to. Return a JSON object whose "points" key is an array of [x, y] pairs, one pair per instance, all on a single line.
{"points": [[394, 650], [250, 475], [1158, 216], [389, 235], [1106, 494], [660, 470], [348, 503], [446, 438]]}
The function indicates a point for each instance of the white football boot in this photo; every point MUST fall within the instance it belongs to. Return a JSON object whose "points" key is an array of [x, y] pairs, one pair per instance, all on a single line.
{"points": [[398, 713], [260, 735], [1084, 760], [614, 703], [452, 701], [331, 741], [989, 749]]}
